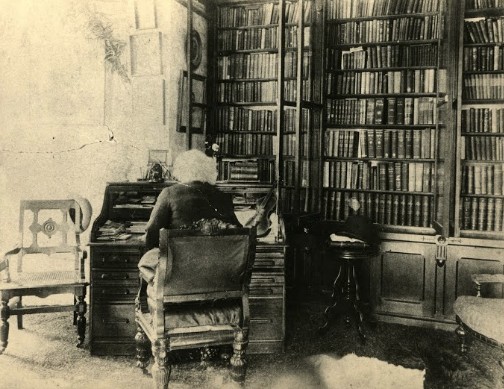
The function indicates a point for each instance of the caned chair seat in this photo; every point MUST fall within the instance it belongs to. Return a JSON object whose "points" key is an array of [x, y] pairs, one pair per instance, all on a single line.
{"points": [[43, 279]]}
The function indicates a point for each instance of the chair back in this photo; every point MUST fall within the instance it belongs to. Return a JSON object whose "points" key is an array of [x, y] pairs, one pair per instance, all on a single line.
{"points": [[197, 266], [46, 229]]}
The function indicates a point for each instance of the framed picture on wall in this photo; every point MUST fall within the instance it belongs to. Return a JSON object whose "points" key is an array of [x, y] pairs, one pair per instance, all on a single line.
{"points": [[198, 103]]}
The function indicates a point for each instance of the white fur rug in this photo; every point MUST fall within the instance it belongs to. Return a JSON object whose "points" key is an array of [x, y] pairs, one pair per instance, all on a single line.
{"points": [[44, 356]]}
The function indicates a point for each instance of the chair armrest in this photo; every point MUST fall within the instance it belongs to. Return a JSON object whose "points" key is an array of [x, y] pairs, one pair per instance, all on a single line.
{"points": [[4, 263], [479, 279]]}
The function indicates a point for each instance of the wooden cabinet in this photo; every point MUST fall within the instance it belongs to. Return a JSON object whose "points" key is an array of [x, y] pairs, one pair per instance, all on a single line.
{"points": [[417, 281], [267, 300], [114, 284], [114, 274]]}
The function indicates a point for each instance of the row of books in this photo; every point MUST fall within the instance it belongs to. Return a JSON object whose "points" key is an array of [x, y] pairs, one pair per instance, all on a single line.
{"points": [[482, 214], [290, 64], [290, 90], [482, 4], [257, 170], [246, 144], [483, 58], [247, 65], [362, 8], [309, 122], [262, 14], [488, 148], [289, 145], [482, 179], [291, 37], [389, 209], [265, 38], [483, 86], [245, 91], [399, 81], [391, 176], [484, 30], [309, 173], [386, 56], [392, 110], [486, 120], [401, 144], [482, 148], [248, 16], [230, 118], [384, 30]]}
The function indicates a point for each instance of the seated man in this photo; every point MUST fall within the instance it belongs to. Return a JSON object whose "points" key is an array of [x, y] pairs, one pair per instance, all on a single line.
{"points": [[195, 197]]}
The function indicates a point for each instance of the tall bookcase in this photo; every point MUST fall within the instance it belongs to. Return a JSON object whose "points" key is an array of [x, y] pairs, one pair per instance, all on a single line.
{"points": [[480, 161], [268, 115], [385, 88]]}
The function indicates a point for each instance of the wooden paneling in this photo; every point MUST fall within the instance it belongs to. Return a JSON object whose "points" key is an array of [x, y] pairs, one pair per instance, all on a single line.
{"points": [[402, 279]]}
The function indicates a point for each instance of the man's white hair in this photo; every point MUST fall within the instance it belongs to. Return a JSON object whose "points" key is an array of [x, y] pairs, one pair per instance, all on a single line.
{"points": [[194, 165]]}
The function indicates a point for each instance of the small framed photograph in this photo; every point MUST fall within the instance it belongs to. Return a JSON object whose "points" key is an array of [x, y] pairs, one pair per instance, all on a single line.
{"points": [[198, 102]]}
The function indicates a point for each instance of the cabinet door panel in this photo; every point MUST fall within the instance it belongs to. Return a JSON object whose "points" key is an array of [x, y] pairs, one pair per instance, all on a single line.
{"points": [[403, 279]]}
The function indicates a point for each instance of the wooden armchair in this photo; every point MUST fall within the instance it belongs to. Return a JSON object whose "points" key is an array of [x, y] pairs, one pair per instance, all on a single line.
{"points": [[481, 317], [197, 298], [49, 262]]}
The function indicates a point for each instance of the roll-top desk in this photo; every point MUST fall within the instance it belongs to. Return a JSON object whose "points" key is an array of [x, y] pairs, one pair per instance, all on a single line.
{"points": [[116, 248]]}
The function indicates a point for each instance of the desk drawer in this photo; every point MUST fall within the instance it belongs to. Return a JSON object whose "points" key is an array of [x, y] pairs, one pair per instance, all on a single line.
{"points": [[266, 319], [269, 259], [104, 293], [116, 277], [114, 321], [267, 284], [114, 259]]}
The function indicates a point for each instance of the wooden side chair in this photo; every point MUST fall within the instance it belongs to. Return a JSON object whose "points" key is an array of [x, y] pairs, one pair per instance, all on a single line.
{"points": [[197, 298], [480, 316], [49, 262]]}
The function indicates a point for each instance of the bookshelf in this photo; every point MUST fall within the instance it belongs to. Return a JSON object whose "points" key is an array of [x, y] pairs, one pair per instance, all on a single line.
{"points": [[385, 126], [267, 115], [480, 160]]}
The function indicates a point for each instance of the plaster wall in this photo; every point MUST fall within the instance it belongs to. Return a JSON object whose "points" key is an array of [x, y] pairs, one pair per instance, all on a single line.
{"points": [[67, 121]]}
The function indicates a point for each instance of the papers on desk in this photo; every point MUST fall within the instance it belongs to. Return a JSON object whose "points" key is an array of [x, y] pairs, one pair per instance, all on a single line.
{"points": [[342, 238]]}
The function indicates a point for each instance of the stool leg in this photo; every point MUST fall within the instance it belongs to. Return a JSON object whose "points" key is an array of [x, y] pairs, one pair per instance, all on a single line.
{"points": [[335, 299], [356, 307], [348, 291]]}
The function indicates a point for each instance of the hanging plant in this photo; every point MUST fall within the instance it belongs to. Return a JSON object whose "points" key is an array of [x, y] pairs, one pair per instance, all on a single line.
{"points": [[114, 47]]}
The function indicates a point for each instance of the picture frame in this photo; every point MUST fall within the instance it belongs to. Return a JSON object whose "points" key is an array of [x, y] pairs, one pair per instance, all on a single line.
{"points": [[198, 104]]}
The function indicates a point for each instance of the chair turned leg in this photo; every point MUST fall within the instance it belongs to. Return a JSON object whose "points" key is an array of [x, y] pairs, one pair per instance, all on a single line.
{"points": [[80, 310], [142, 349], [161, 368], [238, 362], [462, 336], [4, 325], [19, 305]]}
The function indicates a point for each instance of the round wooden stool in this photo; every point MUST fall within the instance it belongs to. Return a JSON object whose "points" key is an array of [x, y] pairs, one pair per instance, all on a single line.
{"points": [[345, 286]]}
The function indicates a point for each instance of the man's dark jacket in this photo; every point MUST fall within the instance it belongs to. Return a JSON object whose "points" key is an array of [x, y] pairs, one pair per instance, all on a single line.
{"points": [[183, 204]]}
